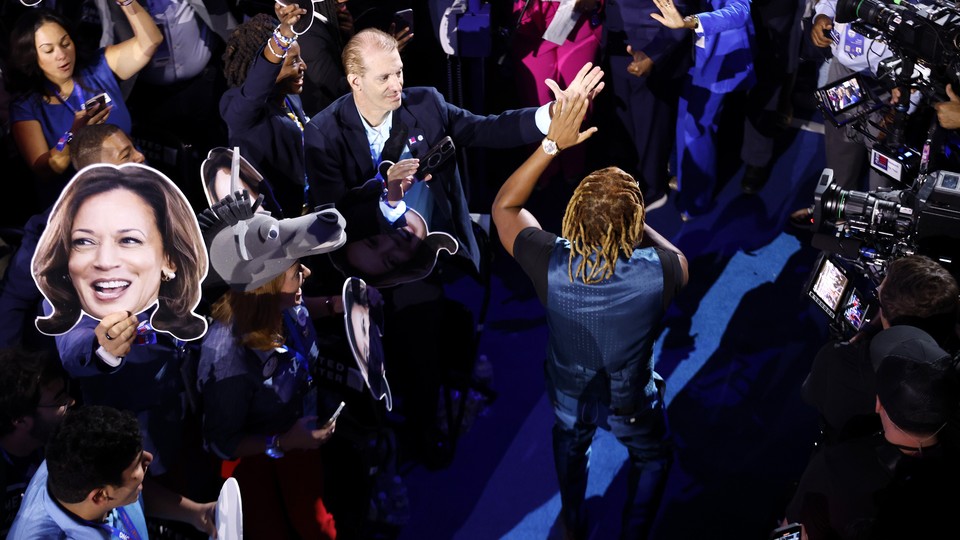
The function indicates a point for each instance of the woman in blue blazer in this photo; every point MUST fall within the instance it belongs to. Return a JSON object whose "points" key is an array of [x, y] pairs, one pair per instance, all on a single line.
{"points": [[723, 63], [262, 109]]}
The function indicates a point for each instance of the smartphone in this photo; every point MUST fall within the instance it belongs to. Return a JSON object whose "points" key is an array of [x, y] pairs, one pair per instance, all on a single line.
{"points": [[98, 101], [403, 19], [436, 156], [787, 532], [336, 413]]}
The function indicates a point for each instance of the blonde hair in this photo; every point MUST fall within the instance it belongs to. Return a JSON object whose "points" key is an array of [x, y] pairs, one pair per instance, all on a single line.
{"points": [[353, 51], [604, 218]]}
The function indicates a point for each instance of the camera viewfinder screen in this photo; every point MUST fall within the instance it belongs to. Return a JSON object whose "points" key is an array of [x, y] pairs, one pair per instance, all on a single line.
{"points": [[830, 285], [845, 95], [856, 310]]}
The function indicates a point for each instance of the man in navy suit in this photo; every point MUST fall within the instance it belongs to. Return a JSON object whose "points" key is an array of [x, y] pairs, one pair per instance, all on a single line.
{"points": [[381, 122], [344, 141]]}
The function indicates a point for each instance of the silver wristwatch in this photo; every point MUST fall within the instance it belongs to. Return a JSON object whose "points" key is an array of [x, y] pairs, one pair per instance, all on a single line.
{"points": [[550, 147]]}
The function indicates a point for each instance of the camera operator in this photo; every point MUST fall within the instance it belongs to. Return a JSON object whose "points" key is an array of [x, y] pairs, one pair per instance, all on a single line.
{"points": [[852, 53], [899, 481], [842, 382]]}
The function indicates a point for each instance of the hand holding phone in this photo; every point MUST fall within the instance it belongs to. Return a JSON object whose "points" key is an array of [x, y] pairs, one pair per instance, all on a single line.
{"points": [[97, 102], [435, 157], [403, 19]]}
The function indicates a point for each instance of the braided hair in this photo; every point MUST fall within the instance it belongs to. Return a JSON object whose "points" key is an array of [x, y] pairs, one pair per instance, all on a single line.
{"points": [[244, 45], [604, 218]]}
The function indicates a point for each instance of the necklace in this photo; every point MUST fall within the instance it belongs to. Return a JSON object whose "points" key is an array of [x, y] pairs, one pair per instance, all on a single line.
{"points": [[63, 99]]}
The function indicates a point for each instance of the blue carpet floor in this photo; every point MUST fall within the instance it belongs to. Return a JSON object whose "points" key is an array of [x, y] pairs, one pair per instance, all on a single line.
{"points": [[736, 346]]}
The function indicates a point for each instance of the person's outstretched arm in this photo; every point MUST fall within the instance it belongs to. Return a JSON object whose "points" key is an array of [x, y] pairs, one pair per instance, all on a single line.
{"points": [[508, 212], [128, 57]]}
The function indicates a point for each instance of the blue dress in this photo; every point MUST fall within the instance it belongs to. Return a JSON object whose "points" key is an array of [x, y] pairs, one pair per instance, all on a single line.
{"points": [[56, 117]]}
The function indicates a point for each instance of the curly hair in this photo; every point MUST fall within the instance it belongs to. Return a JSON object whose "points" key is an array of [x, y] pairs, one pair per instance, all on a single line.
{"points": [[90, 450], [255, 316], [182, 243], [24, 75], [244, 45], [604, 218]]}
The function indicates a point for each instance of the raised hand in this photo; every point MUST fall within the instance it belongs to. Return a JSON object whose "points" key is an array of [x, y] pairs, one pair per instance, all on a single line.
{"points": [[567, 119], [403, 36], [588, 82], [669, 16], [288, 14]]}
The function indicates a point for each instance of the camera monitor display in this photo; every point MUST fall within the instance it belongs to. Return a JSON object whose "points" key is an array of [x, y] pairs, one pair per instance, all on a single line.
{"points": [[845, 95], [855, 310], [829, 286], [846, 99]]}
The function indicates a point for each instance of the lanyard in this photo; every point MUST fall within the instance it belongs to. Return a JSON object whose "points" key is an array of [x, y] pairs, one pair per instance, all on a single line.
{"points": [[120, 534], [303, 340], [77, 89]]}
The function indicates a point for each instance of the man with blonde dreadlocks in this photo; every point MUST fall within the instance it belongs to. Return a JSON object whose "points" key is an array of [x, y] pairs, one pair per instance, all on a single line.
{"points": [[605, 285]]}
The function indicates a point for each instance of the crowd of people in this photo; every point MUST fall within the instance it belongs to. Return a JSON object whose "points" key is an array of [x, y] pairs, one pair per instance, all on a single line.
{"points": [[160, 342]]}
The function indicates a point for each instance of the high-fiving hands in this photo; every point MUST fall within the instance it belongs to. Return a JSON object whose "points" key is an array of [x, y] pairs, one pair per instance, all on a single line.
{"points": [[569, 112], [588, 82]]}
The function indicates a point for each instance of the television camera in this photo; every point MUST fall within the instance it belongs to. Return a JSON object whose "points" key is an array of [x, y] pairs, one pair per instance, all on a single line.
{"points": [[859, 233], [924, 40]]}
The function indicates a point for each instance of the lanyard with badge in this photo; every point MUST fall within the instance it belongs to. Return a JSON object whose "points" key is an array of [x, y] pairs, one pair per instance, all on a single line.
{"points": [[128, 531], [77, 90]]}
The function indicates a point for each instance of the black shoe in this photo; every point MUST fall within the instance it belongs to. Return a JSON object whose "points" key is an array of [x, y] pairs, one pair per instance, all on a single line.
{"points": [[754, 178]]}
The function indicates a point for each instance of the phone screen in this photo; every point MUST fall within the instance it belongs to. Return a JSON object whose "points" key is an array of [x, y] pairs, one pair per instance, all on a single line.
{"points": [[96, 101]]}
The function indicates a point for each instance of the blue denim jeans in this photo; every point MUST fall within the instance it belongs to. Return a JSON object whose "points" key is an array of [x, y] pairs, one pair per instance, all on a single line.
{"points": [[637, 419]]}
